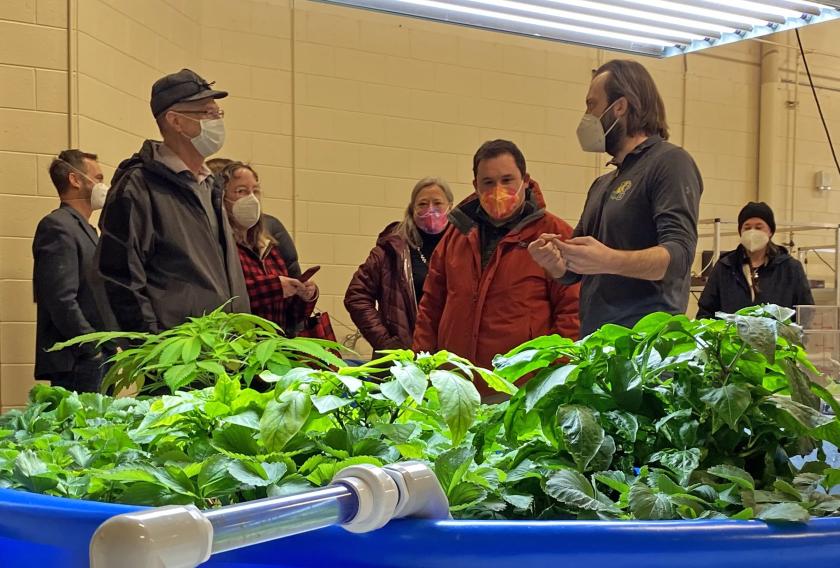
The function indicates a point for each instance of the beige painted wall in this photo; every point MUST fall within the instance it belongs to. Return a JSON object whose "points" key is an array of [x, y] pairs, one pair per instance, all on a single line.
{"points": [[342, 110]]}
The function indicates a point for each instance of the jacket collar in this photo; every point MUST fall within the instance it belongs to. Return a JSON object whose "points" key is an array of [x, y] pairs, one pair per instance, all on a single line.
{"points": [[465, 216], [145, 158], [735, 258], [85, 224], [636, 152]]}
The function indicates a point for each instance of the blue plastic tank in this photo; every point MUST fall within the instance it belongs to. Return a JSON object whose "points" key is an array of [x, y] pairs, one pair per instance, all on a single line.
{"points": [[42, 531]]}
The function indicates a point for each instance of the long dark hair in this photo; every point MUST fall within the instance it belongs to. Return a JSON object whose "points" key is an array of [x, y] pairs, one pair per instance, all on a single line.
{"points": [[254, 237], [646, 110]]}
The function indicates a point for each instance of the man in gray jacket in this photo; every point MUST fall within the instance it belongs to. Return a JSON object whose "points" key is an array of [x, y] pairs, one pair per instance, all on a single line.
{"points": [[634, 244], [166, 251]]}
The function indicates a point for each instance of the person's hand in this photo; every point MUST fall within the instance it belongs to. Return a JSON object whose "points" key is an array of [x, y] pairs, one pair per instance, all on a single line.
{"points": [[546, 253], [291, 286], [308, 291], [587, 255]]}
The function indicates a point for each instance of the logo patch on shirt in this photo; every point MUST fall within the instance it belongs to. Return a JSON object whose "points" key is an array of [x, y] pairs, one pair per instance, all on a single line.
{"points": [[618, 193]]}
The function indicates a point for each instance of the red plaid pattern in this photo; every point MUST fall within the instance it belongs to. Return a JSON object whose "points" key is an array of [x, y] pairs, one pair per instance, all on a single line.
{"points": [[266, 293]]}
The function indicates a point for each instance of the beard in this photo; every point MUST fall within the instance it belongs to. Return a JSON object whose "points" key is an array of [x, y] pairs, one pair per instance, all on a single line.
{"points": [[613, 138]]}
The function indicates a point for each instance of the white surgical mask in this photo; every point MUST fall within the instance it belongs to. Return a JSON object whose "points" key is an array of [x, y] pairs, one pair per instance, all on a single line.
{"points": [[754, 240], [246, 211], [211, 138], [591, 134], [98, 195]]}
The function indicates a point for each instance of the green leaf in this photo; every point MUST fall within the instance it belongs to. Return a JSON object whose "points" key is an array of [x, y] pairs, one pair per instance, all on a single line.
{"points": [[226, 389], [572, 489], [291, 485], [745, 515], [681, 462], [412, 380], [615, 480], [179, 376], [465, 495], [459, 401], [581, 433], [495, 382], [393, 391], [283, 418], [649, 505], [249, 419], [451, 465], [32, 472], [626, 424], [728, 402], [399, 433], [734, 474], [191, 349], [758, 333], [214, 479], [265, 350], [545, 382], [172, 352], [212, 367], [352, 383], [328, 403], [257, 474], [518, 501], [784, 512]]}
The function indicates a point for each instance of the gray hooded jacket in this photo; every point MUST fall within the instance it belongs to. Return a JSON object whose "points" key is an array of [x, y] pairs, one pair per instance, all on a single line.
{"points": [[158, 257]]}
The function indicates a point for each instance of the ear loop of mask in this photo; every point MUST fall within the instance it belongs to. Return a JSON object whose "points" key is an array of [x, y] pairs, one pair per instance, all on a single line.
{"points": [[605, 112], [78, 171]]}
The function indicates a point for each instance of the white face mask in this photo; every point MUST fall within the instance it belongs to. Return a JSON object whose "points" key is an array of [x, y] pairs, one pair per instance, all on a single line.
{"points": [[754, 240], [98, 195], [590, 131], [211, 138], [246, 211]]}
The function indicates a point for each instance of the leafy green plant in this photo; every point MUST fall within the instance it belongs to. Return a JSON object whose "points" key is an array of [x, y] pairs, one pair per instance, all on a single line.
{"points": [[228, 443], [200, 351], [673, 419], [708, 412]]}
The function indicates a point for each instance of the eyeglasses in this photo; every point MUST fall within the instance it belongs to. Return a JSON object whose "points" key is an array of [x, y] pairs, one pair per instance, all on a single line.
{"points": [[208, 113]]}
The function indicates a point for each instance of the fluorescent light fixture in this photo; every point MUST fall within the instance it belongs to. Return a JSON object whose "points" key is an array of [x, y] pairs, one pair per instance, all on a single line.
{"points": [[659, 28]]}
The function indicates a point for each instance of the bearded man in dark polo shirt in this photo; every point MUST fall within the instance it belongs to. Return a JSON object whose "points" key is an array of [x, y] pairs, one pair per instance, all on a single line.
{"points": [[633, 247]]}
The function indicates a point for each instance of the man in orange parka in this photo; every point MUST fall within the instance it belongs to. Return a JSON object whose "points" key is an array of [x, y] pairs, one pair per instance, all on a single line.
{"points": [[484, 294]]}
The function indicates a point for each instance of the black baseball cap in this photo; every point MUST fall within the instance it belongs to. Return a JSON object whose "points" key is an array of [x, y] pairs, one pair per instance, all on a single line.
{"points": [[185, 85]]}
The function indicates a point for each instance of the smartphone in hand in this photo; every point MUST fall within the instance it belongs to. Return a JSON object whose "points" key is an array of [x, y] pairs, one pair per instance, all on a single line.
{"points": [[309, 273]]}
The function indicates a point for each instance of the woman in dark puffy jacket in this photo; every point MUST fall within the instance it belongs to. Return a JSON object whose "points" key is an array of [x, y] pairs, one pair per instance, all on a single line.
{"points": [[384, 293], [757, 272]]}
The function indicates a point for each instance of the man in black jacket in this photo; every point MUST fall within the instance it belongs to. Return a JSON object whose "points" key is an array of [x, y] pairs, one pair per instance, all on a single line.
{"points": [[167, 252], [63, 250]]}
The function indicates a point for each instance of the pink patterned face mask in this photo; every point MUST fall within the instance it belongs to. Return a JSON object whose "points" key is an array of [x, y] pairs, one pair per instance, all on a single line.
{"points": [[432, 220]]}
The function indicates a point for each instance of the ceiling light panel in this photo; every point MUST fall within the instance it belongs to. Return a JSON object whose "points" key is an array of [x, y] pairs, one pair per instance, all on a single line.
{"points": [[659, 28]]}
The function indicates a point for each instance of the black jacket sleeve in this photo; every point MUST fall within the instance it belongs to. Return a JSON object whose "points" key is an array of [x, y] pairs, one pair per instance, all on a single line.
{"points": [[57, 278], [126, 241], [709, 303], [285, 244]]}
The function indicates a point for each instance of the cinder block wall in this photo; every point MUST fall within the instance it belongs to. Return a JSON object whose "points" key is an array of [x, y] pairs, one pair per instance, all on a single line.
{"points": [[341, 111]]}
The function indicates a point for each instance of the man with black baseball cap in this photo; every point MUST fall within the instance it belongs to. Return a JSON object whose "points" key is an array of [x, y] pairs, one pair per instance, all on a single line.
{"points": [[757, 272], [166, 251]]}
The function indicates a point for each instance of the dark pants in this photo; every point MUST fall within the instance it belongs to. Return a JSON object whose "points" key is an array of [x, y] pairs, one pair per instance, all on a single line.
{"points": [[86, 376]]}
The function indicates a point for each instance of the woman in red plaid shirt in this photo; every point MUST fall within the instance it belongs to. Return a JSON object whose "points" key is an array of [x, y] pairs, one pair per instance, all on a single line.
{"points": [[274, 295]]}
